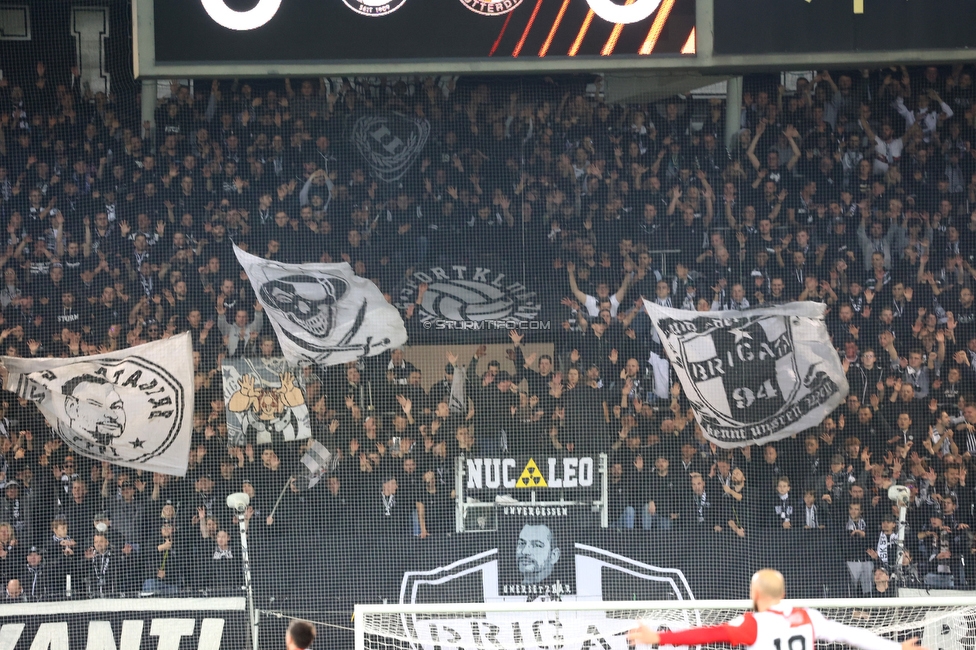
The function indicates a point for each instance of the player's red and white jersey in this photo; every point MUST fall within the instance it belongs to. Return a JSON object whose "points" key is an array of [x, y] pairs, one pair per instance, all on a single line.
{"points": [[798, 628], [780, 628], [786, 628]]}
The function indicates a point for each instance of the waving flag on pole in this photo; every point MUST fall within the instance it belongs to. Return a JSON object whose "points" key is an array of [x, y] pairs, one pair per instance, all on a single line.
{"points": [[459, 397], [324, 314], [133, 408], [316, 463], [265, 400], [753, 376]]}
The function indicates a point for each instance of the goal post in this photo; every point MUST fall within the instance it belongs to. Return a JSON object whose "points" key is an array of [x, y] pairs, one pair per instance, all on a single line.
{"points": [[943, 623]]}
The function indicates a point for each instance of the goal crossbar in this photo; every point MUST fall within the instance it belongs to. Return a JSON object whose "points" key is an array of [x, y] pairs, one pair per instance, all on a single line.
{"points": [[943, 623], [595, 605]]}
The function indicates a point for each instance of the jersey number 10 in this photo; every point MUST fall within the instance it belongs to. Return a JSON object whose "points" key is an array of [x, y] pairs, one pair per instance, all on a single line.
{"points": [[798, 642]]}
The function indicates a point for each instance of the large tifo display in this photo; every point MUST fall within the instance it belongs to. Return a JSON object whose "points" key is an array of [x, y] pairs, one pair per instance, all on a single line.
{"points": [[398, 30]]}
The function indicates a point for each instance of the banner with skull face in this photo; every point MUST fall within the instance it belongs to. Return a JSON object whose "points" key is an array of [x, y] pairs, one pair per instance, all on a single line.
{"points": [[265, 401], [754, 376], [324, 314], [133, 408]]}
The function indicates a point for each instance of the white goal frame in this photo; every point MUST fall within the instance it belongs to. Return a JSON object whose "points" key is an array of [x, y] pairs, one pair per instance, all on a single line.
{"points": [[361, 611]]}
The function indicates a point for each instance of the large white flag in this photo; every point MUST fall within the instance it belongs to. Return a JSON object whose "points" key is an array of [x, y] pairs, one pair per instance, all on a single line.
{"points": [[753, 376], [323, 313], [133, 408]]}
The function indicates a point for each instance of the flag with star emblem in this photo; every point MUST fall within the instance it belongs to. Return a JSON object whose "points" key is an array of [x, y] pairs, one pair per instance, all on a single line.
{"points": [[753, 376], [132, 408]]}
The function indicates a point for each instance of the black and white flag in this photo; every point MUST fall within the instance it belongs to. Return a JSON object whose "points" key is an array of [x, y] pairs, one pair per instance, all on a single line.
{"points": [[459, 396], [317, 462], [753, 376], [133, 408], [265, 401], [390, 143], [324, 314]]}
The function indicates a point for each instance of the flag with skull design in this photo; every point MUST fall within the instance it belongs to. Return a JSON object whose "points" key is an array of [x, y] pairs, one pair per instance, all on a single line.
{"points": [[323, 314]]}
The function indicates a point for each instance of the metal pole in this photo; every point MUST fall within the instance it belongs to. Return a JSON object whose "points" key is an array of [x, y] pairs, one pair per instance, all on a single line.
{"points": [[246, 560], [899, 571], [281, 495], [359, 627], [733, 110], [604, 491], [148, 106], [459, 505]]}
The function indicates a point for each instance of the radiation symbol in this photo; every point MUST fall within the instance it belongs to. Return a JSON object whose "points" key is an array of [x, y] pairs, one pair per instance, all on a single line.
{"points": [[531, 477]]}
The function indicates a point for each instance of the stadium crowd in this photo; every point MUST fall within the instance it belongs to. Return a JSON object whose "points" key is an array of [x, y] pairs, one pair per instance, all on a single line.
{"points": [[856, 189]]}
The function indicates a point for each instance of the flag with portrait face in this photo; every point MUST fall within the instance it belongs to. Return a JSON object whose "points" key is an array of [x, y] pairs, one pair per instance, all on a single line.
{"points": [[132, 408], [753, 376]]}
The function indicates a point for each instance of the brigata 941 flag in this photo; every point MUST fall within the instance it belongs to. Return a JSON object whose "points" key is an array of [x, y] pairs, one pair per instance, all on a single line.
{"points": [[133, 408], [324, 314], [753, 376]]}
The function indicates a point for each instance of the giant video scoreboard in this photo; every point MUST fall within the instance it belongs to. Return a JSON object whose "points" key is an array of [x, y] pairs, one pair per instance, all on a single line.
{"points": [[245, 38]]}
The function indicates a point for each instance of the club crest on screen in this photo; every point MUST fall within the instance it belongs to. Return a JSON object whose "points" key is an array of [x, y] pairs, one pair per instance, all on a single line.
{"points": [[625, 14], [491, 7], [374, 7]]}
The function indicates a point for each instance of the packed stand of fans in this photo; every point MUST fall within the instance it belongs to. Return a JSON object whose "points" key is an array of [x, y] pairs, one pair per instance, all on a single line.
{"points": [[856, 190]]}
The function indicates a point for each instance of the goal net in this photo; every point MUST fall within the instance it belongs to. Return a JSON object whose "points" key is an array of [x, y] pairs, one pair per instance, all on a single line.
{"points": [[941, 623]]}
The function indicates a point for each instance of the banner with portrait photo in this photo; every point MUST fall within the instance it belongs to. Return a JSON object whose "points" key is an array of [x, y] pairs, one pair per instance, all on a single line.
{"points": [[753, 376], [133, 407], [265, 401], [536, 559], [323, 314]]}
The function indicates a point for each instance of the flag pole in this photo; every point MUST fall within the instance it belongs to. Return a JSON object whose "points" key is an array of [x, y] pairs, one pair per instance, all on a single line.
{"points": [[281, 496], [239, 503]]}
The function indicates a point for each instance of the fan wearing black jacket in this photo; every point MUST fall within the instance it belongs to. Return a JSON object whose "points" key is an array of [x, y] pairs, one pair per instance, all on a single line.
{"points": [[621, 495], [104, 569], [37, 578], [698, 510], [661, 500], [782, 510], [223, 564], [864, 377]]}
